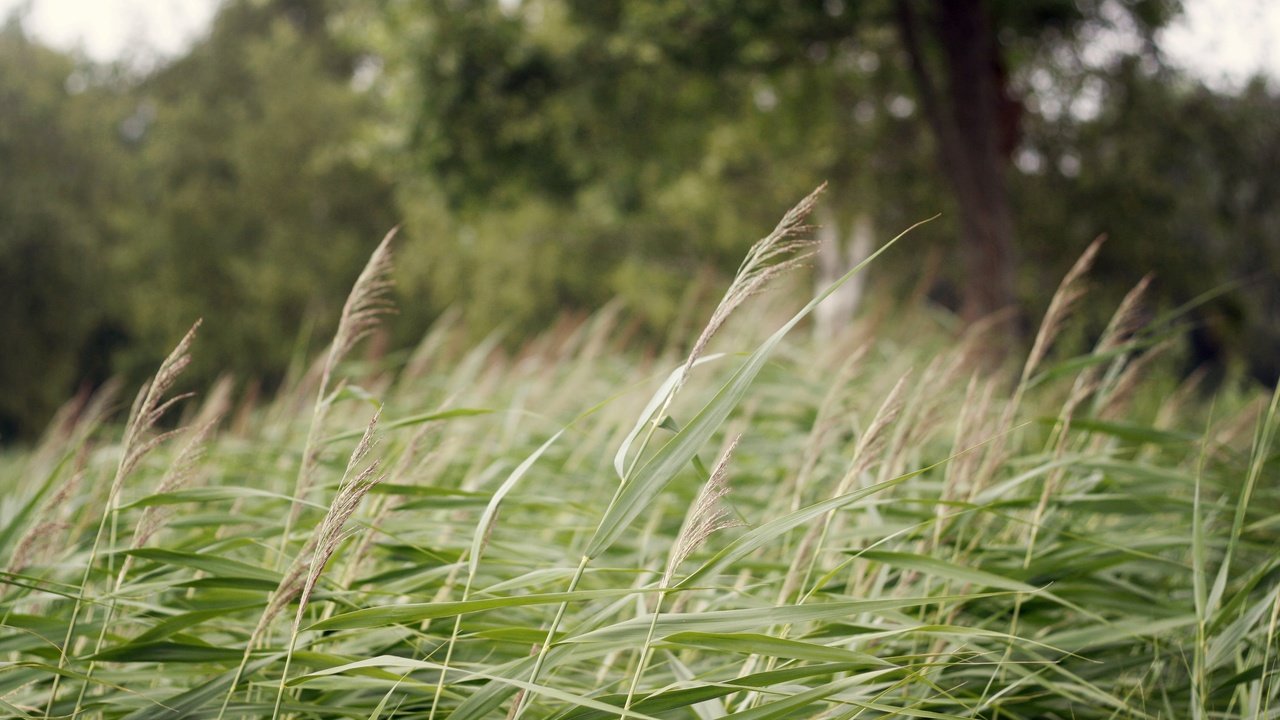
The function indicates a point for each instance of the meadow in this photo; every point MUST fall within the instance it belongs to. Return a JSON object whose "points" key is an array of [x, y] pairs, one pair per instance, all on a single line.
{"points": [[765, 526]]}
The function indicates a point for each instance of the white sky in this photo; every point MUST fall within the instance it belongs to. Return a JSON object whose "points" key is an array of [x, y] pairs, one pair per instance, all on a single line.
{"points": [[1222, 41], [1226, 41], [113, 29]]}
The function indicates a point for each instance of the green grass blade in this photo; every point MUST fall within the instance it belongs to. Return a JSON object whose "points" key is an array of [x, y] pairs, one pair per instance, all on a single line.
{"points": [[410, 421], [417, 612], [391, 661], [639, 492], [659, 397], [945, 569], [216, 566], [732, 621], [757, 538], [757, 644], [491, 510], [190, 702]]}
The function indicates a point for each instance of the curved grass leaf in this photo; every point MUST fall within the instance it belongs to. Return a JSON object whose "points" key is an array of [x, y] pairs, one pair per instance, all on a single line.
{"points": [[417, 612], [188, 703], [162, 652], [659, 397], [391, 661], [178, 623], [944, 569], [757, 538], [219, 567], [485, 525], [639, 492], [214, 494], [767, 645], [410, 421], [731, 621], [668, 700]]}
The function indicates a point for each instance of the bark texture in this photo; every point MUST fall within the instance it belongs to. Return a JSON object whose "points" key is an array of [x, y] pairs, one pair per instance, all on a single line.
{"points": [[975, 123]]}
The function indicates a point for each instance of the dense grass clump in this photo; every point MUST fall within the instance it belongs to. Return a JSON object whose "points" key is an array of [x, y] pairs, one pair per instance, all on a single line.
{"points": [[872, 526]]}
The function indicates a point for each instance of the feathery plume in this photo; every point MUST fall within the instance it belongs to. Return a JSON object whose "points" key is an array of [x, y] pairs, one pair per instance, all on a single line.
{"points": [[71, 426], [707, 516], [183, 467], [1126, 320], [874, 437], [1118, 399], [872, 440], [368, 301], [36, 543], [330, 534], [304, 572], [831, 414], [1128, 317], [1064, 298], [325, 541], [1069, 291], [150, 406], [780, 251], [1175, 401], [972, 428]]}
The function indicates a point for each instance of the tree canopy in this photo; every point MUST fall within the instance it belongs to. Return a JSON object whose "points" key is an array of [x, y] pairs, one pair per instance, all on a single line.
{"points": [[552, 155]]}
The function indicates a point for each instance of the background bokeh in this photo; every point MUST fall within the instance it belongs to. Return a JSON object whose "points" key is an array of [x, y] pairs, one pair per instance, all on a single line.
{"points": [[548, 156]]}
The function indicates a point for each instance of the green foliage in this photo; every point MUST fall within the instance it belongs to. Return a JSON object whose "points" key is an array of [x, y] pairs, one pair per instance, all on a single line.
{"points": [[60, 181], [1114, 561], [636, 142], [222, 185], [1190, 199], [611, 171], [252, 212], [552, 156]]}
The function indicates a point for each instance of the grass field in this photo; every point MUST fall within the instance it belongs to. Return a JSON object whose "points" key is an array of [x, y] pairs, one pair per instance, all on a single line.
{"points": [[870, 526]]}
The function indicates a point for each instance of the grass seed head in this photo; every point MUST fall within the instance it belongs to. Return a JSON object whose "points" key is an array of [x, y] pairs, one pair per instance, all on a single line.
{"points": [[707, 516], [780, 251], [1069, 291], [151, 405]]}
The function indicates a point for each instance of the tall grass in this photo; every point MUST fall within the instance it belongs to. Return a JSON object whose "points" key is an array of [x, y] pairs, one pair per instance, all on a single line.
{"points": [[763, 527]]}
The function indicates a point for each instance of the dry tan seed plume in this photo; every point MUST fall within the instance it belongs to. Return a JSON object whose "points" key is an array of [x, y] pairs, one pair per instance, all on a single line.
{"points": [[368, 301], [39, 540], [874, 437], [328, 536], [1126, 320], [300, 578], [1069, 291], [1129, 317], [780, 251], [183, 467], [150, 406], [331, 532], [707, 516]]}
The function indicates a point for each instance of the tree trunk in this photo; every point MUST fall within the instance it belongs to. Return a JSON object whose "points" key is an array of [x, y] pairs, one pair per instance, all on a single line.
{"points": [[972, 129], [838, 252]]}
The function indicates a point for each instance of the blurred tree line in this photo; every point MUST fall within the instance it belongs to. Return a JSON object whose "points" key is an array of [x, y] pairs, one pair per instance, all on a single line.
{"points": [[554, 154]]}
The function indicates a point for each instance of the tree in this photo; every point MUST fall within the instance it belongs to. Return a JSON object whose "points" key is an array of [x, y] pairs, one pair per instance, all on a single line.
{"points": [[626, 101], [567, 153], [975, 127], [975, 115], [1192, 198], [251, 210], [61, 176], [223, 185]]}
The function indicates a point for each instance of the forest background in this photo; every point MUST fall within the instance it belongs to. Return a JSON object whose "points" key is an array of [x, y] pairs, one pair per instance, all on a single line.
{"points": [[550, 156]]}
